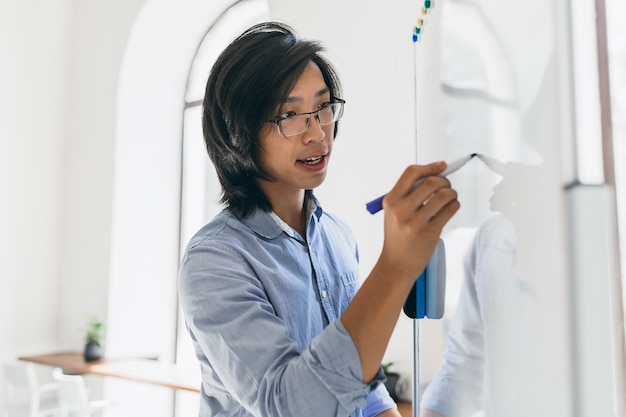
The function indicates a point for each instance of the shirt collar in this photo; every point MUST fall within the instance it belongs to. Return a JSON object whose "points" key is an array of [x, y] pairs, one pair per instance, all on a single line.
{"points": [[270, 226]]}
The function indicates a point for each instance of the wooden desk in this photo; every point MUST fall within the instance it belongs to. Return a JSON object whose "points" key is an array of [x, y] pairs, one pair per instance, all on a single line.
{"points": [[141, 370]]}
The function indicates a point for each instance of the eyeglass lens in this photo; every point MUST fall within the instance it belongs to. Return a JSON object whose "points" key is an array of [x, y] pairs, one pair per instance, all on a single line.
{"points": [[298, 123]]}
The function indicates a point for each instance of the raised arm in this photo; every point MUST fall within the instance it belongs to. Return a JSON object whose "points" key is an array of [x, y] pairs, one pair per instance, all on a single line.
{"points": [[414, 219]]}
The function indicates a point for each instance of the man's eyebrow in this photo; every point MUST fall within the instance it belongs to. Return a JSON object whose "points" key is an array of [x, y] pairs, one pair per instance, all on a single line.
{"points": [[296, 99]]}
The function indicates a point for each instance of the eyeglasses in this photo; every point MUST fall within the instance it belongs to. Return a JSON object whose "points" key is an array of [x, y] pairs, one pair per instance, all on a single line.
{"points": [[292, 124]]}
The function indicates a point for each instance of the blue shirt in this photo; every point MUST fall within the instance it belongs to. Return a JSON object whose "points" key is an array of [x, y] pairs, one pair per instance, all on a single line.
{"points": [[262, 306]]}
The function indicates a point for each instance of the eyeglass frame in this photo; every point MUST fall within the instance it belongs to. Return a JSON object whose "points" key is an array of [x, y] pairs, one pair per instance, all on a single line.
{"points": [[334, 100]]}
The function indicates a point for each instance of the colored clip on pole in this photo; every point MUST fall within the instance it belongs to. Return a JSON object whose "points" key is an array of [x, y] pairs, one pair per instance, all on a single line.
{"points": [[416, 33], [427, 298]]}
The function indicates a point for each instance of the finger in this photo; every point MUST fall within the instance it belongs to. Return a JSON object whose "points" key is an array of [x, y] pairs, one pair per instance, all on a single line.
{"points": [[414, 173], [426, 191], [445, 214], [441, 207]]}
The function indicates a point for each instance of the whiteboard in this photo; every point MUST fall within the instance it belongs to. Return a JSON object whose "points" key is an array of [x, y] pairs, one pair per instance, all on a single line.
{"points": [[529, 334]]}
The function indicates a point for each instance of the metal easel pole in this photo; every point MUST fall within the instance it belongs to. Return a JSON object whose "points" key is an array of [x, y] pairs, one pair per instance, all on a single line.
{"points": [[416, 368]]}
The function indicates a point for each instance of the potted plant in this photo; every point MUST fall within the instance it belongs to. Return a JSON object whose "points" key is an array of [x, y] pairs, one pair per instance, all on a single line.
{"points": [[391, 381], [94, 339]]}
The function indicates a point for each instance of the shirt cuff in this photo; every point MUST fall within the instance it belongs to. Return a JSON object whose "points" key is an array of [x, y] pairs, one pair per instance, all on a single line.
{"points": [[334, 359]]}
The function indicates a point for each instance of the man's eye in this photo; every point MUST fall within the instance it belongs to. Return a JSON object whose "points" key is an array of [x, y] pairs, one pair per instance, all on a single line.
{"points": [[286, 115], [324, 105]]}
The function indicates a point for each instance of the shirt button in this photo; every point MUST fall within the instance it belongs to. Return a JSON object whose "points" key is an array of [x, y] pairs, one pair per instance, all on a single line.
{"points": [[324, 294]]}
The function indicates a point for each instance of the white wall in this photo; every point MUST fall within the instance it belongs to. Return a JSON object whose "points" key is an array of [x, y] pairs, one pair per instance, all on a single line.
{"points": [[34, 92], [58, 80], [97, 52]]}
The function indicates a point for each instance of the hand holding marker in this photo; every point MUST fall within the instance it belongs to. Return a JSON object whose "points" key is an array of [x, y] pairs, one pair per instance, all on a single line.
{"points": [[376, 205]]}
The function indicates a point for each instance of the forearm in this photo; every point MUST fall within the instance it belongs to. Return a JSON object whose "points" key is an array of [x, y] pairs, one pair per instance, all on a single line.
{"points": [[414, 218], [372, 316]]}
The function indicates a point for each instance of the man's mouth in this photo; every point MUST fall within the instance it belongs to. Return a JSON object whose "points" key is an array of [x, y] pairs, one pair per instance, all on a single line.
{"points": [[314, 160]]}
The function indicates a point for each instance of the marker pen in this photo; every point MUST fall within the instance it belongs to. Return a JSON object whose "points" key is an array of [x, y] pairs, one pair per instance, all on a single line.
{"points": [[376, 205]]}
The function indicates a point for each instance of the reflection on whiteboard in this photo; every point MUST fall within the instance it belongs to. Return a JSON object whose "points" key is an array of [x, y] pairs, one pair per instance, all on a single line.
{"points": [[498, 307], [497, 96]]}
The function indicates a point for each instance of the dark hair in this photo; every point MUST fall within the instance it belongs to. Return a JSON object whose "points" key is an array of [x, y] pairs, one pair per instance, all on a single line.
{"points": [[246, 85]]}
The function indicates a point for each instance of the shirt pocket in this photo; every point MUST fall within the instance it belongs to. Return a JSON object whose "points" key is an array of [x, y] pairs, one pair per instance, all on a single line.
{"points": [[350, 283]]}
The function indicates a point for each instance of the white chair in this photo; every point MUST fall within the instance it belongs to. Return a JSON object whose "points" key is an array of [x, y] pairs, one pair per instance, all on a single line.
{"points": [[25, 396], [73, 396]]}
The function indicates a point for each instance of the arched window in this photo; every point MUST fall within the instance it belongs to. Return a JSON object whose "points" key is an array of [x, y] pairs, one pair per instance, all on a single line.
{"points": [[164, 186]]}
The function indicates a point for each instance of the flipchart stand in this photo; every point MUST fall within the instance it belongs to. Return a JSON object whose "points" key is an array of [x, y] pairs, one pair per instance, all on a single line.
{"points": [[426, 300]]}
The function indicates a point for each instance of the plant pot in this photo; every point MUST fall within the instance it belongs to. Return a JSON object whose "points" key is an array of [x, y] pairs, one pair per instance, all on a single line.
{"points": [[391, 383], [93, 352]]}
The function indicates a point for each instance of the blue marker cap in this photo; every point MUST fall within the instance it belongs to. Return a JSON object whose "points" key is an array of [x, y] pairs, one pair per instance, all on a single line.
{"points": [[375, 206]]}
